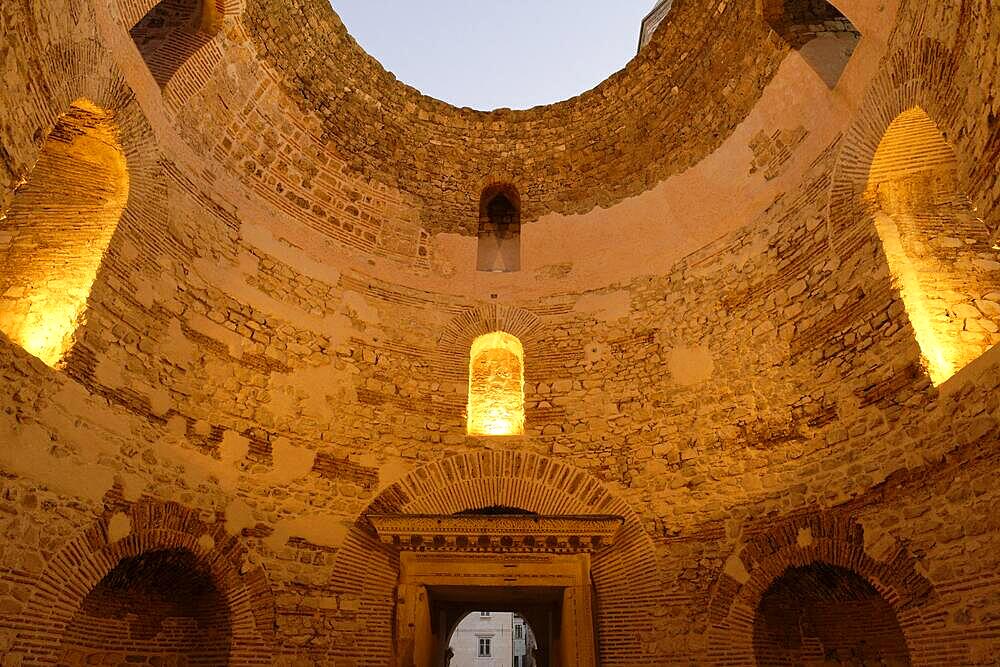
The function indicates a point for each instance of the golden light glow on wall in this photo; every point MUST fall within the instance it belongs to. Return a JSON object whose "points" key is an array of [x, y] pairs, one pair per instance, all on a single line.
{"points": [[938, 354], [930, 236], [496, 385], [58, 228]]}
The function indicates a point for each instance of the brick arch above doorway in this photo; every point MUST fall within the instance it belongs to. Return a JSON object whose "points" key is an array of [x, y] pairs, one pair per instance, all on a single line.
{"points": [[625, 576]]}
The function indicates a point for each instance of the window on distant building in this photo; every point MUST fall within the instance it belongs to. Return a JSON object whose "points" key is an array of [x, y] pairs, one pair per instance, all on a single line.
{"points": [[518, 631], [484, 614], [485, 647]]}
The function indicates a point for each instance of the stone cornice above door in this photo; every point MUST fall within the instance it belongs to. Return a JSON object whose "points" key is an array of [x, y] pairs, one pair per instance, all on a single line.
{"points": [[497, 533]]}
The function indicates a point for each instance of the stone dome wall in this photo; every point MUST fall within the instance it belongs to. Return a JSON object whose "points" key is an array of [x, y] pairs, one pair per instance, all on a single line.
{"points": [[278, 333]]}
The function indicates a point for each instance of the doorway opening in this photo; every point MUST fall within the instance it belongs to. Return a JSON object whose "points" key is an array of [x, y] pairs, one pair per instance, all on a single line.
{"points": [[503, 636]]}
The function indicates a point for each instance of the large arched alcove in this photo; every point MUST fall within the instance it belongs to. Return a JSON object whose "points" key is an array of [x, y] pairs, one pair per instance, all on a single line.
{"points": [[159, 607], [938, 249], [756, 614], [152, 581], [59, 225], [825, 614]]}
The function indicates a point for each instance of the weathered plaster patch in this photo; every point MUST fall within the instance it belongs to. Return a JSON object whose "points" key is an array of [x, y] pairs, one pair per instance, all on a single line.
{"points": [[392, 472], [328, 530], [356, 305], [690, 365], [290, 462], [119, 527], [736, 570], [593, 352], [27, 452], [314, 388], [607, 306], [285, 251], [239, 516], [206, 542], [175, 347]]}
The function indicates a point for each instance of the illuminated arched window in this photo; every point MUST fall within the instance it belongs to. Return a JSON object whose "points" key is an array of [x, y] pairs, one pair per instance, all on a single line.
{"points": [[822, 35], [59, 225], [939, 252], [496, 385], [172, 32], [499, 230]]}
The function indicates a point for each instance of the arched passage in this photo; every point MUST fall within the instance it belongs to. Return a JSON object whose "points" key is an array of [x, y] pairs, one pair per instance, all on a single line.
{"points": [[821, 33], [170, 573], [825, 614], [939, 251], [159, 607], [58, 228]]}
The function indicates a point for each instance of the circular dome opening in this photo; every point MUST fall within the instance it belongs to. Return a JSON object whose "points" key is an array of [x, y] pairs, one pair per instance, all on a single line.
{"points": [[516, 54]]}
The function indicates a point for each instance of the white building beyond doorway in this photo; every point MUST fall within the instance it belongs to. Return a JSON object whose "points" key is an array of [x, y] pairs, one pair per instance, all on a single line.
{"points": [[492, 639]]}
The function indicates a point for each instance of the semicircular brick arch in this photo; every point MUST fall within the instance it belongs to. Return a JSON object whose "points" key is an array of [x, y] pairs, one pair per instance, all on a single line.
{"points": [[80, 565], [922, 75], [456, 339], [625, 576], [825, 539]]}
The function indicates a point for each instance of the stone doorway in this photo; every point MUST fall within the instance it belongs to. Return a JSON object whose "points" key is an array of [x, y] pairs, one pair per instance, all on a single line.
{"points": [[536, 566]]}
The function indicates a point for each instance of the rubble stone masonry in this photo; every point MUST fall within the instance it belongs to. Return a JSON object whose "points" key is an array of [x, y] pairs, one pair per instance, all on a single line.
{"points": [[719, 346]]}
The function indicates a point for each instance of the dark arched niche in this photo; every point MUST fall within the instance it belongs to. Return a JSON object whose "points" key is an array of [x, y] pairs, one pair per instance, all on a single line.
{"points": [[499, 230], [823, 614], [160, 607]]}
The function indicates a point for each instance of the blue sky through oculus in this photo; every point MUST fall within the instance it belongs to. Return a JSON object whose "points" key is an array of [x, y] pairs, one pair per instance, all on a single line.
{"points": [[504, 53]]}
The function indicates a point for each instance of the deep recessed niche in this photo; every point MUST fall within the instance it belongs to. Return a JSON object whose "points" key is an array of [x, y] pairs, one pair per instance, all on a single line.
{"points": [[821, 33], [499, 230], [57, 230], [823, 614]]}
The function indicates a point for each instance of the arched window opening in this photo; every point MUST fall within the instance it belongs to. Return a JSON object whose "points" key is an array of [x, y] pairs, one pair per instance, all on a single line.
{"points": [[499, 230], [57, 230], [823, 614], [496, 385], [496, 638], [939, 252], [822, 35], [172, 32], [155, 608]]}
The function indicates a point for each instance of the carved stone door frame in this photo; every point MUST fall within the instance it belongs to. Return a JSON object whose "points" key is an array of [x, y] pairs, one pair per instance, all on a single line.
{"points": [[486, 555]]}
